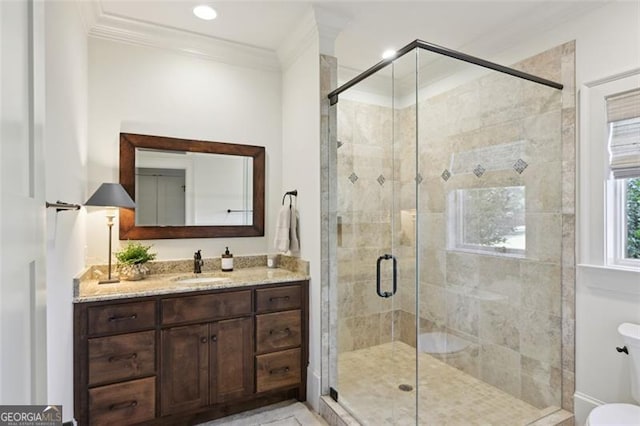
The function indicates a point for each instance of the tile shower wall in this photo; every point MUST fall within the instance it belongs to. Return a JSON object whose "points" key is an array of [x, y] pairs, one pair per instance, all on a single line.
{"points": [[365, 181], [516, 313]]}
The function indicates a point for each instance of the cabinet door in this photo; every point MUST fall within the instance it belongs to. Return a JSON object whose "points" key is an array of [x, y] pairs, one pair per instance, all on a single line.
{"points": [[185, 368], [231, 359]]}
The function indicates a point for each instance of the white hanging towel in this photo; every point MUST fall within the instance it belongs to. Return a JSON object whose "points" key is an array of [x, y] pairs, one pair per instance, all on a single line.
{"points": [[294, 241], [283, 228]]}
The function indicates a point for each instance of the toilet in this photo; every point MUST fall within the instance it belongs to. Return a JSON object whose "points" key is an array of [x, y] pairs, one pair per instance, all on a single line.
{"points": [[623, 414]]}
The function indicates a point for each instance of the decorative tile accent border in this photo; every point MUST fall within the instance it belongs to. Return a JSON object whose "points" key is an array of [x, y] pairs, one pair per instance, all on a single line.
{"points": [[520, 165], [479, 170]]}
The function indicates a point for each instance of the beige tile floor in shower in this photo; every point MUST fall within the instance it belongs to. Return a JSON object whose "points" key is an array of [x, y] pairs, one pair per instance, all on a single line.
{"points": [[368, 381]]}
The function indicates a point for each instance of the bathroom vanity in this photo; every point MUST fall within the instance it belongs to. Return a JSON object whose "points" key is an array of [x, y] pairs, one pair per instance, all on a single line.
{"points": [[163, 352]]}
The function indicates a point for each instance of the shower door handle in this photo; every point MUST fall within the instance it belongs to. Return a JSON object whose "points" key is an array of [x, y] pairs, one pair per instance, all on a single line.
{"points": [[386, 294]]}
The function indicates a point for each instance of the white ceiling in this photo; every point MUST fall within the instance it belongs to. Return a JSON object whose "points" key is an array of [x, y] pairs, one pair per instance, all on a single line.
{"points": [[262, 24], [479, 28]]}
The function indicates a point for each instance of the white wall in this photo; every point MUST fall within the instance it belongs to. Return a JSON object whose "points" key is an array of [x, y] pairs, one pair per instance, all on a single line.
{"points": [[301, 171], [607, 43], [66, 158], [151, 91]]}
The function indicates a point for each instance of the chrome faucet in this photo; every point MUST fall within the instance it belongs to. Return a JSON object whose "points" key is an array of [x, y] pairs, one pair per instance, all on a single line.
{"points": [[197, 262]]}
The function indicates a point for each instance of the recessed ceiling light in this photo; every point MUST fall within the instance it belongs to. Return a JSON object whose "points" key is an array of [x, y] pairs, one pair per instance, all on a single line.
{"points": [[205, 12], [389, 53]]}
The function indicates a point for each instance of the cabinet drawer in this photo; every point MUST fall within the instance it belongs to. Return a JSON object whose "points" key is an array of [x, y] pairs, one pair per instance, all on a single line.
{"points": [[278, 331], [278, 298], [206, 307], [120, 357], [121, 317], [277, 370], [123, 403]]}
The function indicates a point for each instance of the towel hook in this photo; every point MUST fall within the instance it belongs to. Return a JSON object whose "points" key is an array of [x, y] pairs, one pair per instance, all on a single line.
{"points": [[293, 193]]}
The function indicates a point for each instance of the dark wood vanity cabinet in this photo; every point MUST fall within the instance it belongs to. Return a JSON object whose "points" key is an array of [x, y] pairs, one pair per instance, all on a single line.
{"points": [[183, 359], [206, 364]]}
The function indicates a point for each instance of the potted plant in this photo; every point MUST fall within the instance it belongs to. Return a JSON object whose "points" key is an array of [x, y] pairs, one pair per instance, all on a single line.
{"points": [[131, 259]]}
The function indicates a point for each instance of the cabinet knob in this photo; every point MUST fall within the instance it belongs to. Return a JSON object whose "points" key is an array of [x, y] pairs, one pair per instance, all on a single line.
{"points": [[214, 338], [203, 340]]}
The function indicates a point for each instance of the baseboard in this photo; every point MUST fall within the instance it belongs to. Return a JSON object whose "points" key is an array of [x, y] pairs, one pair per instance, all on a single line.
{"points": [[583, 404], [313, 389]]}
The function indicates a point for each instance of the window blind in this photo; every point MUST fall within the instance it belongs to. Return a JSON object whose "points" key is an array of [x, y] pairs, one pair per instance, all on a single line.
{"points": [[623, 116]]}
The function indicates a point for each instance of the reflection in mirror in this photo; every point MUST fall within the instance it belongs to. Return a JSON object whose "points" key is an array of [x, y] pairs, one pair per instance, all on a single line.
{"points": [[190, 188]]}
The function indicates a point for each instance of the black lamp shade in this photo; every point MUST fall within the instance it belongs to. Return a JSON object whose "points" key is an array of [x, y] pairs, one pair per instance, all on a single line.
{"points": [[111, 195]]}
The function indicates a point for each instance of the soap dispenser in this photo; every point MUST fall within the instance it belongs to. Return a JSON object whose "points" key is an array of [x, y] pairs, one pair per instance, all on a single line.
{"points": [[227, 261]]}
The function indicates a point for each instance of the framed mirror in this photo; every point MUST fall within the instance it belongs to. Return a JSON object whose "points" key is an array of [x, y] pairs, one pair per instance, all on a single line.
{"points": [[191, 189]]}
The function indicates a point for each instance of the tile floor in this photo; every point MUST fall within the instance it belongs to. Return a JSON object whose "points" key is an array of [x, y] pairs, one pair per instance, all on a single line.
{"points": [[287, 413], [368, 381]]}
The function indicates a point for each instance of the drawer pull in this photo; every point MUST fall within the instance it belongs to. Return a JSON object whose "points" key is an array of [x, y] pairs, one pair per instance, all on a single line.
{"points": [[124, 318], [274, 298], [203, 340], [123, 357], [123, 405], [281, 370], [286, 331], [214, 338]]}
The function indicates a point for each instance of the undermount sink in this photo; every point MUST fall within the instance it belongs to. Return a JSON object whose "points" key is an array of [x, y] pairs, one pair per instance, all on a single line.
{"points": [[199, 280]]}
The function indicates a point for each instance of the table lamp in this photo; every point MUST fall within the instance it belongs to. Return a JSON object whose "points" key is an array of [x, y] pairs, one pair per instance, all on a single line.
{"points": [[111, 196]]}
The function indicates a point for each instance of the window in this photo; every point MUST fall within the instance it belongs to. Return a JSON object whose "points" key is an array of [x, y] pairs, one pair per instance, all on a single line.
{"points": [[624, 222], [623, 189], [488, 220], [632, 214]]}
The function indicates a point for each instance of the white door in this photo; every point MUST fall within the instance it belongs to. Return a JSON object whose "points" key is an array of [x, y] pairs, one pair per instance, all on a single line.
{"points": [[22, 215]]}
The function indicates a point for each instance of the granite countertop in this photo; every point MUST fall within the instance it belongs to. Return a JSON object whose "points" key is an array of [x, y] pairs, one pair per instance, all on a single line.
{"points": [[87, 289]]}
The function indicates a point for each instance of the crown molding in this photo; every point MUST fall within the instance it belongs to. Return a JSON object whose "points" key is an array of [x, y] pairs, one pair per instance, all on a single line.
{"points": [[318, 25], [89, 10], [302, 38], [112, 27], [330, 24]]}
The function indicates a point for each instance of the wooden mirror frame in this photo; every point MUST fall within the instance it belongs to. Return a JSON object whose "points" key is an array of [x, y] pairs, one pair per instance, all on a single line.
{"points": [[128, 229]]}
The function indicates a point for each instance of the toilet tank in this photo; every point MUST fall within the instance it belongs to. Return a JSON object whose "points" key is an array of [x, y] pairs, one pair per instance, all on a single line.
{"points": [[631, 336]]}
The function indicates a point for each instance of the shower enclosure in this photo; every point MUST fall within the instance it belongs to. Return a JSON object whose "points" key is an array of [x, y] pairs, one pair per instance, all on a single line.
{"points": [[446, 232]]}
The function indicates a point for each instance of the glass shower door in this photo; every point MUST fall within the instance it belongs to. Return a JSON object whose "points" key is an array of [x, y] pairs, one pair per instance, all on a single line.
{"points": [[374, 374]]}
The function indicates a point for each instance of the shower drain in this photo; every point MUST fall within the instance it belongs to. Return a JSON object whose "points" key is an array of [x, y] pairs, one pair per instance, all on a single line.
{"points": [[406, 388]]}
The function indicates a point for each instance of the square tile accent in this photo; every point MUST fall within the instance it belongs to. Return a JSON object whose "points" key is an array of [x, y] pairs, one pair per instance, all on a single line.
{"points": [[353, 177], [479, 170], [446, 174], [520, 165], [381, 180]]}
